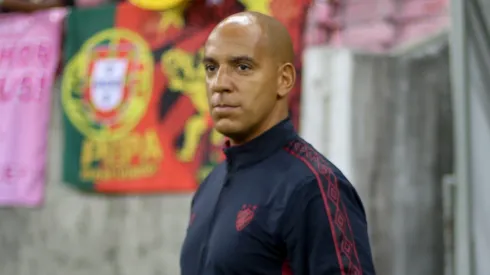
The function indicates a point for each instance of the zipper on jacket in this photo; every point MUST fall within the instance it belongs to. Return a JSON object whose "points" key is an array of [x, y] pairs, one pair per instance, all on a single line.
{"points": [[204, 253]]}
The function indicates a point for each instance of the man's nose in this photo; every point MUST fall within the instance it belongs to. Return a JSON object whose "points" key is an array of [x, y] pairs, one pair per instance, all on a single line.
{"points": [[221, 83]]}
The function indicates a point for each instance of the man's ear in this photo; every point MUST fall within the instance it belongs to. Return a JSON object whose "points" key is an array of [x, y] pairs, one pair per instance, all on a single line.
{"points": [[287, 79]]}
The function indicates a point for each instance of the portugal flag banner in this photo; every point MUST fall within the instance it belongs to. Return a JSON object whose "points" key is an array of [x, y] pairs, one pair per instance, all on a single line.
{"points": [[133, 93]]}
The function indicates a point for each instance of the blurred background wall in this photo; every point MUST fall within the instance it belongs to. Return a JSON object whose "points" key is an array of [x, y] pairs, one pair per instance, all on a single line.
{"points": [[377, 100]]}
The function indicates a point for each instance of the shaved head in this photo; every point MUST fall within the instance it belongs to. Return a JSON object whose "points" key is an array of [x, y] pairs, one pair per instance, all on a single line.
{"points": [[249, 73], [275, 36]]}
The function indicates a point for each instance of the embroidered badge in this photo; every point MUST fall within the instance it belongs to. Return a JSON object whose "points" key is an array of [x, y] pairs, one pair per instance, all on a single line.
{"points": [[245, 216]]}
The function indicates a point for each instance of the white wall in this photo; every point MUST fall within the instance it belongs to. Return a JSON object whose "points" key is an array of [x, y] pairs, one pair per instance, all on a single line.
{"points": [[326, 104], [479, 170]]}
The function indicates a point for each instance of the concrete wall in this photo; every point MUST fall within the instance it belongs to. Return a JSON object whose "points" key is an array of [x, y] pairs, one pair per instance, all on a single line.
{"points": [[390, 115], [79, 234], [480, 179], [470, 64], [479, 97]]}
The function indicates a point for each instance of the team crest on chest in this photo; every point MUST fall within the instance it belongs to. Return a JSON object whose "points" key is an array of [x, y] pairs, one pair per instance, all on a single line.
{"points": [[245, 216]]}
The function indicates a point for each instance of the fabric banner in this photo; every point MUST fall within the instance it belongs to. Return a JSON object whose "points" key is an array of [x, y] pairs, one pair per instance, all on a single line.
{"points": [[29, 57], [134, 99]]}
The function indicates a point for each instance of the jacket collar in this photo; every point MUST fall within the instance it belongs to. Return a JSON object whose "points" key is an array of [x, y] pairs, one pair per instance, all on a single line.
{"points": [[261, 147]]}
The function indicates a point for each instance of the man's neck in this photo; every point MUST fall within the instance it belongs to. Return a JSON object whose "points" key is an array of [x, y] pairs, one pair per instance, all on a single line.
{"points": [[259, 130]]}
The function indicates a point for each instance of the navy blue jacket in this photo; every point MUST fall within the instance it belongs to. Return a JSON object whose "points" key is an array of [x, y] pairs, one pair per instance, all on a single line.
{"points": [[276, 206]]}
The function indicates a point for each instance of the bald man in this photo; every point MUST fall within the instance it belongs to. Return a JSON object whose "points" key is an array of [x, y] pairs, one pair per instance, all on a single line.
{"points": [[276, 205]]}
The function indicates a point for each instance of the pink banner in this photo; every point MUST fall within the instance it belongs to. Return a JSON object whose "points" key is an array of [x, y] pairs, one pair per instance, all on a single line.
{"points": [[29, 56], [374, 25]]}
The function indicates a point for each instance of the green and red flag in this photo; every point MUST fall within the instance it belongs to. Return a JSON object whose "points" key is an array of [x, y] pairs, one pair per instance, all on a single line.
{"points": [[133, 93]]}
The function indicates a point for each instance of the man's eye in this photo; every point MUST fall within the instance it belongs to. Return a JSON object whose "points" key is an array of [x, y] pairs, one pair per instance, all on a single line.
{"points": [[210, 68], [243, 67]]}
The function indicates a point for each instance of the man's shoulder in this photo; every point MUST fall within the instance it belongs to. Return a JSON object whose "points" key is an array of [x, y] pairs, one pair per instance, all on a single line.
{"points": [[216, 175], [218, 172], [309, 165], [319, 178]]}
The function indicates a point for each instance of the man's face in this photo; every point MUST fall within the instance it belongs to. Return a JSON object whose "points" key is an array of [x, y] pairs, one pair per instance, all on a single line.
{"points": [[241, 79]]}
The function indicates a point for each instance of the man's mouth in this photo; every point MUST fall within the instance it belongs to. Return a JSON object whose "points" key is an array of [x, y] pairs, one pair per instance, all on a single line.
{"points": [[224, 108]]}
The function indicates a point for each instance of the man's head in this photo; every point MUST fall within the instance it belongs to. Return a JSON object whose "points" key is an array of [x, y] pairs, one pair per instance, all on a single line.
{"points": [[248, 59]]}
